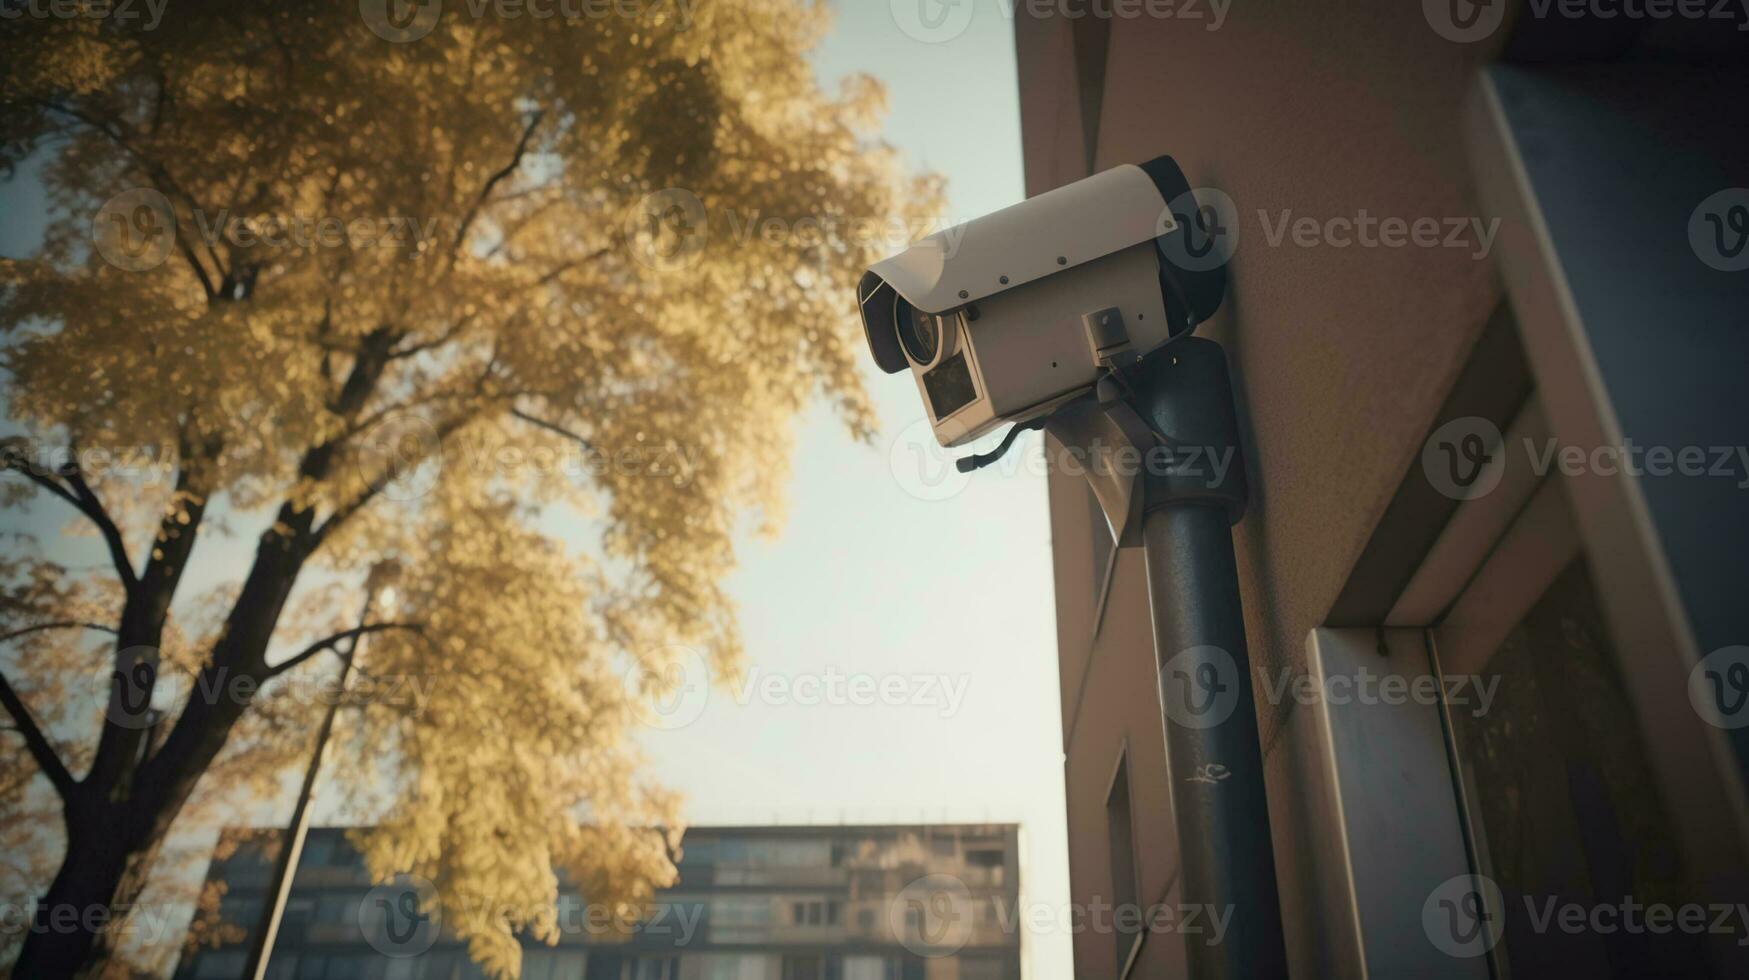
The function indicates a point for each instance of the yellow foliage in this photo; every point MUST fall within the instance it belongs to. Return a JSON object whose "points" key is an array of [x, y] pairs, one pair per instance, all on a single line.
{"points": [[411, 296]]}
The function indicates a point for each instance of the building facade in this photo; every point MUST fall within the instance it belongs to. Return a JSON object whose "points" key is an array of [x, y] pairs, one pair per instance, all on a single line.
{"points": [[1493, 650], [752, 903]]}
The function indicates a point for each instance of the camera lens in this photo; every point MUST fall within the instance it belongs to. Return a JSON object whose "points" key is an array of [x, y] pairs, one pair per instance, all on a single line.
{"points": [[919, 333]]}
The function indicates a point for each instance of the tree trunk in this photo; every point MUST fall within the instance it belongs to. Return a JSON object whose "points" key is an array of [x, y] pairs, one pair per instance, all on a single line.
{"points": [[118, 816], [117, 819], [81, 921], [65, 926], [113, 835]]}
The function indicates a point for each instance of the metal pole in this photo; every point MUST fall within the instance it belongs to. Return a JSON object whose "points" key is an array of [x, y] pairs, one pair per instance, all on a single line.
{"points": [[285, 867], [1225, 856], [1214, 759], [1172, 413]]}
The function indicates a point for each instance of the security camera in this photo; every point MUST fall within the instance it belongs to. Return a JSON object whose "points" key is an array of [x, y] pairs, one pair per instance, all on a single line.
{"points": [[1011, 315]]}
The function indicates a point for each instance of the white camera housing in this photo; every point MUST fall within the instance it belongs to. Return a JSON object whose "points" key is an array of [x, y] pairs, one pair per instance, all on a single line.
{"points": [[1028, 305]]}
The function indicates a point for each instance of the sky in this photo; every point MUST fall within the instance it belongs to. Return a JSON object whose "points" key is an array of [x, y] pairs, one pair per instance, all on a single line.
{"points": [[900, 627], [892, 565]]}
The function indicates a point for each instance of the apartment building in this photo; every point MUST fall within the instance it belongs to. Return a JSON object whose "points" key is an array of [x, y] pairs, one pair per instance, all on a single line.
{"points": [[934, 902]]}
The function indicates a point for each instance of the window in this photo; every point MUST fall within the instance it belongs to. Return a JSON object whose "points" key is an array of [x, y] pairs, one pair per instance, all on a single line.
{"points": [[740, 910], [346, 968], [740, 918], [858, 967], [242, 910], [548, 964], [982, 968], [652, 968], [985, 866], [1121, 842], [298, 913], [794, 853], [814, 913], [435, 966], [673, 920], [984, 858], [1563, 797], [331, 909], [776, 853], [704, 850], [318, 851], [804, 968], [212, 966], [341, 853], [735, 966]]}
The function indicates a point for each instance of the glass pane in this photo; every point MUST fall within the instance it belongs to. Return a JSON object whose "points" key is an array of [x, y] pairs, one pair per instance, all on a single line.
{"points": [[866, 967], [1567, 815], [213, 965], [735, 966]]}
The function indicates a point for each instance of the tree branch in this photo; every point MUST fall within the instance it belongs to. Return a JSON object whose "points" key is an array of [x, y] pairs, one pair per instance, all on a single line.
{"points": [[566, 266], [527, 219], [38, 744], [552, 427], [79, 494], [393, 472], [450, 333], [159, 174], [60, 624], [493, 181], [331, 642], [94, 509]]}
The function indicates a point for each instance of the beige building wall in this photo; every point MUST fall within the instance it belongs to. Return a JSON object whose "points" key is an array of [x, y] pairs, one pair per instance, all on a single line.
{"points": [[1341, 358], [1318, 112]]}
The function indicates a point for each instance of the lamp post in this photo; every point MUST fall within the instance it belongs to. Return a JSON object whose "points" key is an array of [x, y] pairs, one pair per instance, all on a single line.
{"points": [[292, 845]]}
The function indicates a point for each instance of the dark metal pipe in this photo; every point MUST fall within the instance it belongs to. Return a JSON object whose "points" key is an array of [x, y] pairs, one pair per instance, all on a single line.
{"points": [[1214, 761]]}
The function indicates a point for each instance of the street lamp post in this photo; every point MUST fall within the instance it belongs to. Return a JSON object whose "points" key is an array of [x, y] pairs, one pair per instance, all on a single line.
{"points": [[292, 847]]}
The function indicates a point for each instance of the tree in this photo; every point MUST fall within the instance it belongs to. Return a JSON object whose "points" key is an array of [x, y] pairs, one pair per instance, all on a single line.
{"points": [[398, 288]]}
